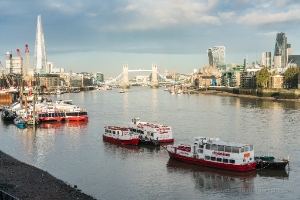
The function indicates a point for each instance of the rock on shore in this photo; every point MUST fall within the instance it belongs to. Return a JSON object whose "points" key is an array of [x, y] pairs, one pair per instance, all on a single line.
{"points": [[24, 181]]}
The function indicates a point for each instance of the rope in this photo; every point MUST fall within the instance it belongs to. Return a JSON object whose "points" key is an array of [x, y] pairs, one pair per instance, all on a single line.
{"points": [[263, 167]]}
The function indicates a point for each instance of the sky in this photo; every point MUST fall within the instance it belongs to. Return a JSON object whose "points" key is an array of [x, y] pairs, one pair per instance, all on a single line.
{"points": [[100, 36]]}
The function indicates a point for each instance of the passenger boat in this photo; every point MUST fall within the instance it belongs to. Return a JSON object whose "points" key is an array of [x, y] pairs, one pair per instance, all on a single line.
{"points": [[147, 131], [20, 123], [120, 135], [269, 162], [212, 152], [50, 113], [76, 114]]}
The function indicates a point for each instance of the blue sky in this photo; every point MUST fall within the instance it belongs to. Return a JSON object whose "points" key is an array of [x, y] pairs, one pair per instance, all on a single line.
{"points": [[101, 35]]}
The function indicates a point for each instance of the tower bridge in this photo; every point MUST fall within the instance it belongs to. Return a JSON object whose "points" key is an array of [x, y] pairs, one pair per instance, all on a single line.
{"points": [[124, 78]]}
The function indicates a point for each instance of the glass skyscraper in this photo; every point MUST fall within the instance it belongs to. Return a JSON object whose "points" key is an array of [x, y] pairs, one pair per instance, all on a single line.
{"points": [[281, 48], [216, 56]]}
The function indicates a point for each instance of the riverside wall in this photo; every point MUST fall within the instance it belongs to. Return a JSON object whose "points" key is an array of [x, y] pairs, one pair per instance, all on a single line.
{"points": [[264, 93]]}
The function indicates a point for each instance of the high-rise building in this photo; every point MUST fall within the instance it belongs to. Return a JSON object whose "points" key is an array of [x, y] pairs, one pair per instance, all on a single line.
{"points": [[40, 58], [281, 48], [13, 65], [266, 59], [216, 56]]}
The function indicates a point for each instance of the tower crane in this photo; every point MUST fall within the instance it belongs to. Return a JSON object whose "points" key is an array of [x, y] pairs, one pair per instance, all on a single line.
{"points": [[27, 59], [21, 59], [27, 76]]}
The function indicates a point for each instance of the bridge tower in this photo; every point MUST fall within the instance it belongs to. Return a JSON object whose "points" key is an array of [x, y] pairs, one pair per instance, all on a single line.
{"points": [[154, 82], [125, 77]]}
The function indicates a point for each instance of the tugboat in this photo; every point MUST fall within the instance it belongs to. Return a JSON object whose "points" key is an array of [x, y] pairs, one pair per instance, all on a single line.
{"points": [[212, 152], [269, 162], [151, 132], [120, 135]]}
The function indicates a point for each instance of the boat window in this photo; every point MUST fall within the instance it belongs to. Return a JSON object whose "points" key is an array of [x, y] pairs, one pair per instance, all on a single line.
{"points": [[247, 148], [114, 132], [207, 158], [235, 150], [219, 159], [152, 134], [232, 161], [201, 146], [200, 150], [214, 147], [242, 149], [213, 158], [225, 160], [208, 146], [251, 148], [228, 149], [250, 158], [221, 147]]}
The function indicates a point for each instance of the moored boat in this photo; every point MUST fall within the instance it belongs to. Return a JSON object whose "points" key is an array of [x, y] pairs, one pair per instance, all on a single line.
{"points": [[212, 152], [20, 123], [147, 131], [269, 162], [76, 114], [120, 135]]}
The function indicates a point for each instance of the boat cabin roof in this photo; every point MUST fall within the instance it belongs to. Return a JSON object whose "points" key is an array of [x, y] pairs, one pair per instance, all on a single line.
{"points": [[217, 141], [116, 128]]}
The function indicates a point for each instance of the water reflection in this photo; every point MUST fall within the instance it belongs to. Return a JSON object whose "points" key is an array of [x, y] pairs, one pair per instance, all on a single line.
{"points": [[214, 180]]}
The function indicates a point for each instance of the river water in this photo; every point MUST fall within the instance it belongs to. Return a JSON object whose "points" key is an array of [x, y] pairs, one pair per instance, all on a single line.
{"points": [[76, 153]]}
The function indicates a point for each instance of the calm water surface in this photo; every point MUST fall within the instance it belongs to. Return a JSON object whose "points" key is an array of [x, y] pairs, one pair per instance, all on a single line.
{"points": [[76, 153]]}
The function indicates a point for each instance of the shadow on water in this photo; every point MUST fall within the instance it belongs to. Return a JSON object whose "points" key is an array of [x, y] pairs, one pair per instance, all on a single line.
{"points": [[221, 180]]}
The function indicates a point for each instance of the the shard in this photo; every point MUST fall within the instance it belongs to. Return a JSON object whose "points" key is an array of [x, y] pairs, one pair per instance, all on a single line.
{"points": [[40, 58]]}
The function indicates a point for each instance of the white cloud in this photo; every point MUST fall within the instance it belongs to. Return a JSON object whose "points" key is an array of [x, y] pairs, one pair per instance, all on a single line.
{"points": [[268, 34], [226, 15], [160, 14], [262, 18]]}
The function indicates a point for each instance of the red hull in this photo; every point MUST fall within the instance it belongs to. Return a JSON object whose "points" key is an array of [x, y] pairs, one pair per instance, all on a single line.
{"points": [[77, 118], [219, 165], [47, 119], [134, 141], [167, 141]]}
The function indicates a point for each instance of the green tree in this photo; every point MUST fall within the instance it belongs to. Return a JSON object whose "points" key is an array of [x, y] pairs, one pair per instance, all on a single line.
{"points": [[262, 77], [291, 76]]}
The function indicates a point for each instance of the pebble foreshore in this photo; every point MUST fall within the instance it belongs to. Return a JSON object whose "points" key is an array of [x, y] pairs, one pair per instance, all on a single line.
{"points": [[24, 181]]}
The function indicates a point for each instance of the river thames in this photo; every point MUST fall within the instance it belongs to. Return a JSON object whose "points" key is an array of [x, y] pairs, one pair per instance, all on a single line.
{"points": [[76, 153]]}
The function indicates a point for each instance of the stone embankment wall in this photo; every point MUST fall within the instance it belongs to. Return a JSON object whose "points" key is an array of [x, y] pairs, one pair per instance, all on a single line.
{"points": [[275, 93]]}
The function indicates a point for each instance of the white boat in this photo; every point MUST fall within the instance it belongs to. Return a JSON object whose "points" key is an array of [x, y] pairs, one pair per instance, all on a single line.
{"points": [[146, 130], [212, 152], [121, 91], [120, 135]]}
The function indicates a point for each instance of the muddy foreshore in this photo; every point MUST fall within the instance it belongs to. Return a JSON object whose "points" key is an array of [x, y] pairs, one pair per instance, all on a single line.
{"points": [[24, 181]]}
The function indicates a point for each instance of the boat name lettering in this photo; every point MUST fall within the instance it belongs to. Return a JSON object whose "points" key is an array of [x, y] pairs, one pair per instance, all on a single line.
{"points": [[220, 153], [163, 129]]}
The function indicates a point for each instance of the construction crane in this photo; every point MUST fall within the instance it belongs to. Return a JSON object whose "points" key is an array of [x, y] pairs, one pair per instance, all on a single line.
{"points": [[21, 60], [27, 59], [27, 77], [4, 76]]}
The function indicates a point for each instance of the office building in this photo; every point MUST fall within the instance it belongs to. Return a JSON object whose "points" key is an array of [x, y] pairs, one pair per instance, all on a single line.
{"points": [[281, 49], [216, 56], [40, 58], [266, 60]]}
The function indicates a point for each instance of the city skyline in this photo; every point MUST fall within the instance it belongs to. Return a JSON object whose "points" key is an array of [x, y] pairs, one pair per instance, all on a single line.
{"points": [[102, 36]]}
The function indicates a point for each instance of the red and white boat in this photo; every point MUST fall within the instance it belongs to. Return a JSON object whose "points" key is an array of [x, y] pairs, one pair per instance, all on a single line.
{"points": [[50, 113], [76, 114], [120, 135], [212, 152], [146, 130]]}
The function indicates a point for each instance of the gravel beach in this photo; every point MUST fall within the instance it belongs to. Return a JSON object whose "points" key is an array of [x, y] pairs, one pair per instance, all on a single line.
{"points": [[24, 181]]}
